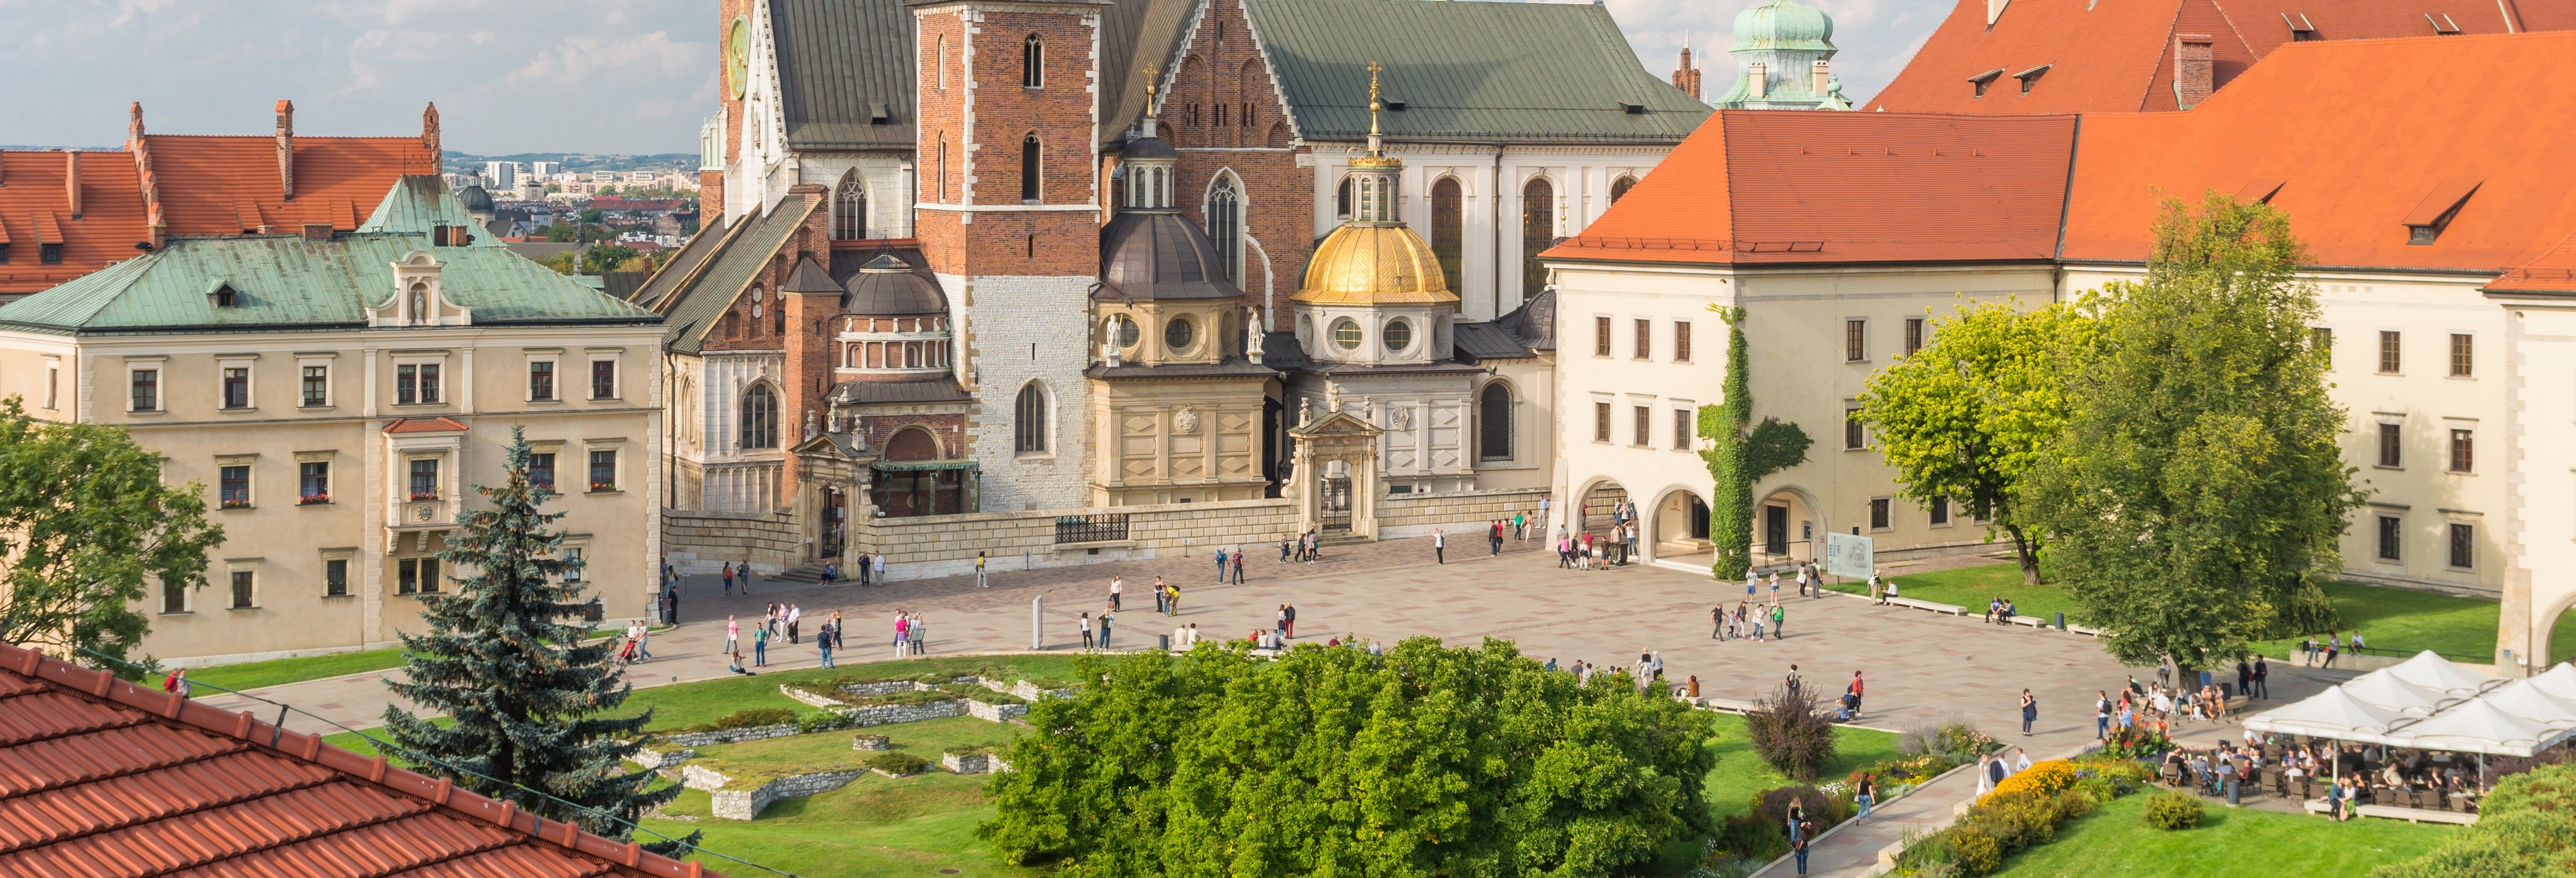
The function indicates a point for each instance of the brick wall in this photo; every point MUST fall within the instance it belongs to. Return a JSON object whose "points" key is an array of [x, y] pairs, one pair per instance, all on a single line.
{"points": [[949, 429], [1224, 69], [982, 117]]}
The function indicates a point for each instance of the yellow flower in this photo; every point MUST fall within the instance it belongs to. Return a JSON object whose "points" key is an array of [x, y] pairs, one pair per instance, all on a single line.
{"points": [[2043, 779]]}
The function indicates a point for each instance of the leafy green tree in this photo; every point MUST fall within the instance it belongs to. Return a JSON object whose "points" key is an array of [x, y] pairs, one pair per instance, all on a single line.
{"points": [[504, 658], [85, 526], [1967, 417], [1425, 761], [605, 257], [2199, 485], [1739, 457]]}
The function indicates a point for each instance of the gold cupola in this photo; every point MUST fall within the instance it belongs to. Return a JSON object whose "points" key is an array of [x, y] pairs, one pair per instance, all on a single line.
{"points": [[1374, 259]]}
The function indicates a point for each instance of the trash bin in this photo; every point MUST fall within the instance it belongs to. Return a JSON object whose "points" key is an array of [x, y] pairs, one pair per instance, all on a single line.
{"points": [[2061, 621], [1163, 642]]}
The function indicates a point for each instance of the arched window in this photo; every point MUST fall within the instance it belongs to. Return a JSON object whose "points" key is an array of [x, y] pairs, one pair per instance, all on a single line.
{"points": [[1494, 422], [1448, 228], [943, 167], [850, 211], [943, 63], [911, 444], [1538, 232], [1029, 416], [1033, 63], [1619, 188], [1029, 154], [1225, 226], [759, 417], [1342, 200]]}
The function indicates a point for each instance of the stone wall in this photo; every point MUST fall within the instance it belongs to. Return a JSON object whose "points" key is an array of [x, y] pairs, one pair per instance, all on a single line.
{"points": [[887, 714], [729, 736], [979, 763], [747, 804], [1464, 513], [1000, 713], [702, 542], [653, 759]]}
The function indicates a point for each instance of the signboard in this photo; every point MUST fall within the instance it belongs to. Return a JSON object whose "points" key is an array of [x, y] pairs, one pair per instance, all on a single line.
{"points": [[1849, 556]]}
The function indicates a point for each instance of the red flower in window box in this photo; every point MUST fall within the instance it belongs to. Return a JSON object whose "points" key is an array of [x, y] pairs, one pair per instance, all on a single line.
{"points": [[310, 499], [424, 495], [236, 503], [603, 486]]}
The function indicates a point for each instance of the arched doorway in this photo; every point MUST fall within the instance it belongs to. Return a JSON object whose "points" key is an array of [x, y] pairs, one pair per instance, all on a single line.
{"points": [[2558, 633], [1787, 524], [1678, 524]]}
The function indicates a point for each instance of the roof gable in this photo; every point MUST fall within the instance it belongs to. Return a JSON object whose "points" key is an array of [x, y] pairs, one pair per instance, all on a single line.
{"points": [[693, 304], [35, 207]]}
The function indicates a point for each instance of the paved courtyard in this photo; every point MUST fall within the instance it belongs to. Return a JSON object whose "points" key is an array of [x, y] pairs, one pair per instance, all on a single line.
{"points": [[1920, 667]]}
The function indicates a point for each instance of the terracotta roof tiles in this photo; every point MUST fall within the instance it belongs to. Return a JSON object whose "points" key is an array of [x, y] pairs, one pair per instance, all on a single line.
{"points": [[35, 208], [102, 778]]}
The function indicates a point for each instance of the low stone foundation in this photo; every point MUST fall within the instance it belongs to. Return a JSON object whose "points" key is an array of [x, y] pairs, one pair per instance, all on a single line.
{"points": [[747, 804], [980, 763], [728, 736], [1000, 713], [654, 759], [888, 714]]}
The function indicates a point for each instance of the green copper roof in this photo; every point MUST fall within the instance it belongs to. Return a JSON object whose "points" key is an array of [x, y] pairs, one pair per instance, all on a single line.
{"points": [[1782, 24], [728, 272], [1522, 72], [419, 202]]}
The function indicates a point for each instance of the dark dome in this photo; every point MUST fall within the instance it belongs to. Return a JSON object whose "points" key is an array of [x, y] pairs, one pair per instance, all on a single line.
{"points": [[476, 200], [1156, 254], [1149, 148], [888, 287]]}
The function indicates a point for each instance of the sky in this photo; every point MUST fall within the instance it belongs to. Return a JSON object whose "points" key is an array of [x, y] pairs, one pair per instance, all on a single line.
{"points": [[511, 76]]}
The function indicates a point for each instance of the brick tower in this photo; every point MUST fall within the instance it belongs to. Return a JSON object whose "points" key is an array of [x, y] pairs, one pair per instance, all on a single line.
{"points": [[1009, 220], [1685, 73]]}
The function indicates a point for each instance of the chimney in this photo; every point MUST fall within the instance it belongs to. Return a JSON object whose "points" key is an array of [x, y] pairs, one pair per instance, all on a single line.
{"points": [[317, 231], [1995, 10], [133, 124], [71, 179], [286, 147], [2192, 70], [1823, 75], [1757, 81], [429, 138]]}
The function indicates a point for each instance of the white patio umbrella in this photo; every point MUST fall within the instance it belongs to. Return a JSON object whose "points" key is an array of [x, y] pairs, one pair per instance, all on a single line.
{"points": [[2333, 713], [2477, 727], [2559, 680], [2384, 689], [2435, 672], [2527, 699]]}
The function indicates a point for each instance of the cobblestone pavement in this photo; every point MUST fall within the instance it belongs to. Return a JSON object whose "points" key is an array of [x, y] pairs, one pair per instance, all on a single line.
{"points": [[1920, 667]]}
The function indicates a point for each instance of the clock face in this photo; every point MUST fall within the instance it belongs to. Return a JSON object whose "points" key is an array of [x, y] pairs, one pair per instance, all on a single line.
{"points": [[738, 57]]}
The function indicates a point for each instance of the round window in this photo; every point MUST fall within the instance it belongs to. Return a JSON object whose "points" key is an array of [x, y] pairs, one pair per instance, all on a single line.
{"points": [[755, 308], [1177, 333], [1127, 333], [1346, 334], [1398, 335]]}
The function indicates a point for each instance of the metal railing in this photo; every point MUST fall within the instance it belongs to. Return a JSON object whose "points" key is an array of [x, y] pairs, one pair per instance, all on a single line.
{"points": [[1090, 528]]}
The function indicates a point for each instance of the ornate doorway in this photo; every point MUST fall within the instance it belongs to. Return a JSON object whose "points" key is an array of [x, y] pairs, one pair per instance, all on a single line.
{"points": [[1336, 517]]}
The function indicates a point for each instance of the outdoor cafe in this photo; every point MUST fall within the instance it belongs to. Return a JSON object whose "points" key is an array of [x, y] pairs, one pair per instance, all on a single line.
{"points": [[2417, 740]]}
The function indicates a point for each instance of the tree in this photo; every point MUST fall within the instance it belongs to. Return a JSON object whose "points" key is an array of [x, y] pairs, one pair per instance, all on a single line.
{"points": [[2199, 485], [1737, 457], [85, 524], [601, 258], [526, 694], [1426, 761], [1789, 730], [1965, 418]]}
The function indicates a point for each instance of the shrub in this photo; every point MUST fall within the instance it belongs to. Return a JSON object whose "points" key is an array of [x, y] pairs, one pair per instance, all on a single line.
{"points": [[821, 722], [2550, 789], [898, 763], [1963, 742], [2044, 779], [1976, 853], [1752, 836], [2131, 743], [1790, 734], [2173, 810], [2513, 843], [973, 692], [753, 718], [1050, 683]]}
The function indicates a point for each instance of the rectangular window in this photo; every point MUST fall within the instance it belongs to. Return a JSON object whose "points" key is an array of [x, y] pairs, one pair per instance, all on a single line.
{"points": [[53, 384], [236, 387], [407, 577], [1882, 513], [2321, 339], [2464, 546], [2463, 451], [1940, 511], [234, 482], [174, 598], [317, 386], [1600, 422], [406, 385], [2392, 533], [424, 479], [429, 383], [1682, 429], [147, 389], [1855, 340], [1681, 341], [541, 381], [603, 379], [541, 469], [335, 578], [1913, 335], [573, 563], [2463, 354], [1855, 434], [2392, 445], [1601, 336], [1645, 339], [2388, 351], [1644, 415], [49, 254], [241, 589], [313, 482], [603, 470]]}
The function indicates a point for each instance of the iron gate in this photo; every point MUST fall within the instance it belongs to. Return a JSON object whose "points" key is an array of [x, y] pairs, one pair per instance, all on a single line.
{"points": [[1337, 504]]}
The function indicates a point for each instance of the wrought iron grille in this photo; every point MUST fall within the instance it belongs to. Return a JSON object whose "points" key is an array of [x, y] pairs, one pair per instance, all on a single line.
{"points": [[1090, 528]]}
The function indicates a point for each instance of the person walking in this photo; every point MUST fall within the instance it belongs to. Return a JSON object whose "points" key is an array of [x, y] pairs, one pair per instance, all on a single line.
{"points": [[1865, 794], [2029, 712], [1802, 580], [837, 631], [1085, 624], [920, 635], [760, 646], [1291, 631], [2334, 645], [1717, 622], [980, 581], [1105, 619], [1283, 548], [1116, 584], [1440, 546], [2102, 715], [643, 641], [823, 641], [1877, 589], [1238, 566], [1852, 694], [1520, 526], [795, 614], [1806, 829], [2244, 677], [743, 573], [1791, 682], [728, 577], [177, 684], [1220, 565], [733, 634], [1779, 621], [900, 622], [2262, 678]]}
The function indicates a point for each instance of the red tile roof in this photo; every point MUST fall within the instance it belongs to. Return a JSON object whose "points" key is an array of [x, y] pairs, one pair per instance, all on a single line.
{"points": [[101, 778], [425, 425], [2118, 56], [1773, 187], [35, 206], [2553, 272]]}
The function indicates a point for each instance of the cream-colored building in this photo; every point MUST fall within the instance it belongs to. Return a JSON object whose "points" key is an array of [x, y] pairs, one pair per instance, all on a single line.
{"points": [[338, 395]]}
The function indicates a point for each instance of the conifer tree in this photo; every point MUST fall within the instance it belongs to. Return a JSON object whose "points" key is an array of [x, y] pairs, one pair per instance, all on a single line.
{"points": [[502, 657]]}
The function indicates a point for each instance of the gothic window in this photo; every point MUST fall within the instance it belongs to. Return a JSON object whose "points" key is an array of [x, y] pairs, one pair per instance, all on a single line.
{"points": [[1029, 154], [1033, 63], [1538, 232], [1029, 427], [1342, 200], [759, 417], [1494, 422], [1448, 228], [1619, 188], [943, 63], [850, 211], [1225, 226]]}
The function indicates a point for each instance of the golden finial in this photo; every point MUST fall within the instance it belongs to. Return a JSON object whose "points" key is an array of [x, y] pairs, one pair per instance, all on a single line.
{"points": [[1373, 69], [1149, 88]]}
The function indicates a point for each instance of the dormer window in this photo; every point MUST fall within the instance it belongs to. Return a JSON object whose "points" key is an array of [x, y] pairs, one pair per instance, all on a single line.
{"points": [[225, 297], [2442, 24], [49, 254], [2031, 76], [1985, 80], [2425, 223], [2301, 30]]}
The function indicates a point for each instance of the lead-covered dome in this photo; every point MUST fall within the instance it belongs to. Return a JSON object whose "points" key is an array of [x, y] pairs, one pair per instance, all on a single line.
{"points": [[1156, 254], [476, 200], [1781, 24], [888, 287]]}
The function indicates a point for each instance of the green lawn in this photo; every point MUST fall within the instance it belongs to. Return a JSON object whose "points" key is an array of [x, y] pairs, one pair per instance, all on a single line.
{"points": [[1972, 587], [252, 675], [917, 827], [828, 751], [2232, 842], [698, 703], [1740, 772]]}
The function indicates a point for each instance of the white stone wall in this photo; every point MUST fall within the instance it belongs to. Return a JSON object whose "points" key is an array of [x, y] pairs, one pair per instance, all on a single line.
{"points": [[1465, 515], [703, 542], [736, 479], [945, 545], [884, 176], [998, 713], [1016, 330], [2540, 582]]}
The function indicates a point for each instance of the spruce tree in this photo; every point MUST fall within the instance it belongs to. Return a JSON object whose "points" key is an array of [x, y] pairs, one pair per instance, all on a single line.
{"points": [[505, 659]]}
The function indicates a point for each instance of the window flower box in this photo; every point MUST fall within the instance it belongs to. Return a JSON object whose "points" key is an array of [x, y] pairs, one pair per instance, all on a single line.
{"points": [[419, 496], [236, 503], [311, 499], [603, 486]]}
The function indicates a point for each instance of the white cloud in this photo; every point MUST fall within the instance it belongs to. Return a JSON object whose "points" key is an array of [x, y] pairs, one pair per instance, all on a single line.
{"points": [[586, 58]]}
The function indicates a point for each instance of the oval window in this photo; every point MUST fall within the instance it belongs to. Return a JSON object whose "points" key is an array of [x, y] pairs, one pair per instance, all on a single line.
{"points": [[1398, 335], [1346, 334], [1177, 334], [1127, 333]]}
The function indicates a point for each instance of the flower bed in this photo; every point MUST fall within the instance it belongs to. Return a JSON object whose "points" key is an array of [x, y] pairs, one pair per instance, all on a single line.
{"points": [[2016, 816]]}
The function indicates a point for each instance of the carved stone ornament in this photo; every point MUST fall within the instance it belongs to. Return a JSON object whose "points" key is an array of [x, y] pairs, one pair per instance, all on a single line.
{"points": [[1186, 421], [1399, 417]]}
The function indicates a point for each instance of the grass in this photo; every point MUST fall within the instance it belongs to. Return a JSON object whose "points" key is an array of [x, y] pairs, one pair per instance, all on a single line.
{"points": [[689, 704], [1740, 772], [2229, 842], [916, 827], [1972, 587], [274, 672], [752, 762]]}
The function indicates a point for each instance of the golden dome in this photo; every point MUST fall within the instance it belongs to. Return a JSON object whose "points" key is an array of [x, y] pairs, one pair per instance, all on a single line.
{"points": [[1374, 264]]}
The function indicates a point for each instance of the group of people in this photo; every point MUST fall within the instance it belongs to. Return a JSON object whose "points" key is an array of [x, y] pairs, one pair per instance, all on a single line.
{"points": [[2317, 653], [2000, 610], [2154, 706], [1748, 620], [1992, 768], [1305, 547], [1222, 558]]}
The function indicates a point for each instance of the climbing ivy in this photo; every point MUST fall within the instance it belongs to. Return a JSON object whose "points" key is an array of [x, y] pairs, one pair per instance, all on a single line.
{"points": [[1740, 453]]}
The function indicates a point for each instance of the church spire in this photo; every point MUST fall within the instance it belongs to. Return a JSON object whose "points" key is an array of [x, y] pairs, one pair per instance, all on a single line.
{"points": [[1375, 147], [1149, 100], [1374, 176]]}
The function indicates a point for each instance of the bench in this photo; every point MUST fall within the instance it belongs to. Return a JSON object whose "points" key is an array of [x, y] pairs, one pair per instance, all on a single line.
{"points": [[2415, 815], [1951, 609], [1728, 705], [2317, 806]]}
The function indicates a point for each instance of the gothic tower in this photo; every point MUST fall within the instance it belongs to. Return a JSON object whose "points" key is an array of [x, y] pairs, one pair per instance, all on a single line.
{"points": [[1686, 74]]}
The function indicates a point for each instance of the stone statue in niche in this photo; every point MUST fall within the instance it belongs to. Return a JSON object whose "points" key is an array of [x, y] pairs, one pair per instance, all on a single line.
{"points": [[1186, 421], [811, 430]]}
